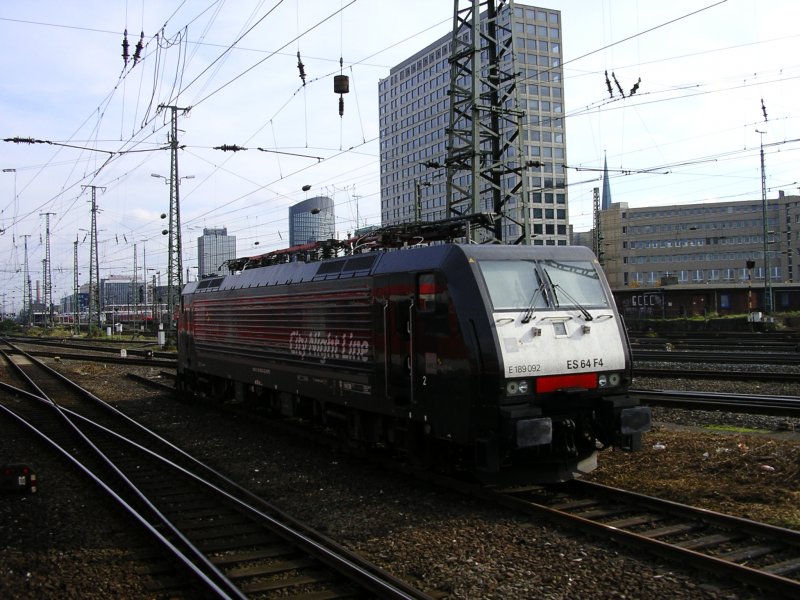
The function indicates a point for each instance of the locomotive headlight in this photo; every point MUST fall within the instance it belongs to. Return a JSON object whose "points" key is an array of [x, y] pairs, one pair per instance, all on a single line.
{"points": [[516, 387], [609, 380]]}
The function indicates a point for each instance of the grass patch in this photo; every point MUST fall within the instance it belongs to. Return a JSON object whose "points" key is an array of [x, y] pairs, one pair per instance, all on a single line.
{"points": [[734, 429]]}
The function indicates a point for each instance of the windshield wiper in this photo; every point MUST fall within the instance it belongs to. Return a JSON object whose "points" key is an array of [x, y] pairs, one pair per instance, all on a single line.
{"points": [[586, 315], [528, 314]]}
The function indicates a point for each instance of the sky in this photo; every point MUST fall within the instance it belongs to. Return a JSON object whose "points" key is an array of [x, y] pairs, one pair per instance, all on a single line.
{"points": [[718, 80]]}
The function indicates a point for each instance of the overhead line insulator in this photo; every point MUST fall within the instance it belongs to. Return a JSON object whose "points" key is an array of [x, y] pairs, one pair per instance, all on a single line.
{"points": [[619, 87], [341, 85], [137, 54], [608, 85], [125, 47], [229, 148], [301, 68]]}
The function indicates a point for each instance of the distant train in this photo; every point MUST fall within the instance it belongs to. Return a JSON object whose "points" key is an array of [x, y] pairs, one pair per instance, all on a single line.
{"points": [[501, 360]]}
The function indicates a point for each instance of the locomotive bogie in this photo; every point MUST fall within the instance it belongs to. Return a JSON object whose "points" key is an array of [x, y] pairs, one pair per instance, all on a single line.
{"points": [[491, 358]]}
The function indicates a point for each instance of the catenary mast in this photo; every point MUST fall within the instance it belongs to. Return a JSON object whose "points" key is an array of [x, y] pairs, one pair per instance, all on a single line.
{"points": [[485, 156]]}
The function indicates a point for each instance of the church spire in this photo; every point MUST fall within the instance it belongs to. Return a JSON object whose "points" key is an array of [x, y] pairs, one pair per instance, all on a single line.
{"points": [[606, 201]]}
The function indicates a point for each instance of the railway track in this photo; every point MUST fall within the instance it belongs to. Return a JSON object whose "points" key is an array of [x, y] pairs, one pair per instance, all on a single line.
{"points": [[715, 357], [754, 554], [781, 406], [93, 344], [738, 375], [134, 352], [107, 358], [720, 347], [782, 341], [230, 543]]}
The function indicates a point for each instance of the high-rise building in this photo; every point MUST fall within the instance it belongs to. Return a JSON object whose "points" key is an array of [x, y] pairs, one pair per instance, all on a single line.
{"points": [[311, 220], [415, 113], [214, 248]]}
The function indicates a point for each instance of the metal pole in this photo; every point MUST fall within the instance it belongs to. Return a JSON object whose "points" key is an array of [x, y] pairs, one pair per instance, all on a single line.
{"points": [[27, 300], [94, 266], [418, 199], [75, 311], [135, 289], [417, 202], [175, 262], [47, 275], [767, 278]]}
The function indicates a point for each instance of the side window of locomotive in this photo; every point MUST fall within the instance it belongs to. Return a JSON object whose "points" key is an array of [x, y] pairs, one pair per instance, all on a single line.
{"points": [[426, 293], [433, 304]]}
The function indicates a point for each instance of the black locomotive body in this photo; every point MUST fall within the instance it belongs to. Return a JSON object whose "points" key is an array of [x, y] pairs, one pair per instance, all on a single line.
{"points": [[498, 359]]}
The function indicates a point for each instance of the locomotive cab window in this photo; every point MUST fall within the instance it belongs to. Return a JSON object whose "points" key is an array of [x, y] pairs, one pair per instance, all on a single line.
{"points": [[575, 283], [513, 284], [532, 285]]}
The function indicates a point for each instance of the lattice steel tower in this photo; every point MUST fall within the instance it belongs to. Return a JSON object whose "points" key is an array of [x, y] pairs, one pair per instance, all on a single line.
{"points": [[94, 266], [485, 155], [47, 275], [597, 235], [175, 262], [27, 294], [76, 318]]}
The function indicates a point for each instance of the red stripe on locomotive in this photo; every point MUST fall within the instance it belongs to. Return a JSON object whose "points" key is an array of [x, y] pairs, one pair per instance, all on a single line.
{"points": [[557, 382]]}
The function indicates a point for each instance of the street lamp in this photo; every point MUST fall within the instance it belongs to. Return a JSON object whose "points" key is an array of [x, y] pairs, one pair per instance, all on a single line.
{"points": [[166, 179]]}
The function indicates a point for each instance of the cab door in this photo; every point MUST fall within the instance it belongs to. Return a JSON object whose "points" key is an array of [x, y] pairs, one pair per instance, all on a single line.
{"points": [[396, 299], [417, 340], [430, 343]]}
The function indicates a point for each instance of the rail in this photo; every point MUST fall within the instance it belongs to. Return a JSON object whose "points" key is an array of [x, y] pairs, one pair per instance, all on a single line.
{"points": [[250, 523], [783, 406]]}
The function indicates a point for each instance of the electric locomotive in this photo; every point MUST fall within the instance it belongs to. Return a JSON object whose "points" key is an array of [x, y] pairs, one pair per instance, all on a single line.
{"points": [[507, 361]]}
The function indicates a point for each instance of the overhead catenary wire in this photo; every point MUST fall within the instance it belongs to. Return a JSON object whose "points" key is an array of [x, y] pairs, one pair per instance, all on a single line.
{"points": [[275, 145]]}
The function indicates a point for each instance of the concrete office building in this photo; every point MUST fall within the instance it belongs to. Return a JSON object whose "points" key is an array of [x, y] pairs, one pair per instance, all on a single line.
{"points": [[214, 248], [311, 220], [118, 291], [708, 243], [414, 113]]}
